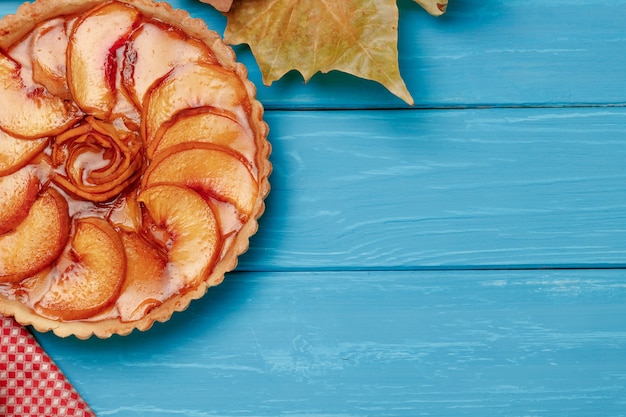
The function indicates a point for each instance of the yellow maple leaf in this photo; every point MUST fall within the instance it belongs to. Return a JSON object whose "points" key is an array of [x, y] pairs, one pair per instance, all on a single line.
{"points": [[434, 7], [221, 5], [358, 37]]}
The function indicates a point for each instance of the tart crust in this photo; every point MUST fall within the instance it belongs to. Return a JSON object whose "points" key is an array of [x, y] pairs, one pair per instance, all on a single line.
{"points": [[14, 28]]}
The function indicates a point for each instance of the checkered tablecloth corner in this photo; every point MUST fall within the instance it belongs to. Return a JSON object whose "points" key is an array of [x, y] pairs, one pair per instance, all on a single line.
{"points": [[31, 384]]}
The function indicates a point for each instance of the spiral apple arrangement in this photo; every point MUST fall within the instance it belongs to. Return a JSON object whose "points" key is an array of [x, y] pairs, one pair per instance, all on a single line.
{"points": [[133, 166]]}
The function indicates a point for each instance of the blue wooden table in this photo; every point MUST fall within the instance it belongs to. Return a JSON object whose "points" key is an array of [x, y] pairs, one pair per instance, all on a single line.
{"points": [[462, 257]]}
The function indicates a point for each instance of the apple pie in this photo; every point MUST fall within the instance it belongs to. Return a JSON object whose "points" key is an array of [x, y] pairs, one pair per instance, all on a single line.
{"points": [[134, 164]]}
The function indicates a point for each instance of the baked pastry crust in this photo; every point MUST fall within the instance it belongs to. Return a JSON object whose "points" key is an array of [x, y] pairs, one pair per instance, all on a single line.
{"points": [[15, 28]]}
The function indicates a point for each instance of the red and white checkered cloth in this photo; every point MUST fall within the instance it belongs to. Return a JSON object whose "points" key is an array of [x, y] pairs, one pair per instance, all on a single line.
{"points": [[30, 382]]}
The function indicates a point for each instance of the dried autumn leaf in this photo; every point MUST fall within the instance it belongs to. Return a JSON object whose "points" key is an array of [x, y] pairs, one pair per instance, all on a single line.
{"points": [[434, 7], [355, 36], [221, 5]]}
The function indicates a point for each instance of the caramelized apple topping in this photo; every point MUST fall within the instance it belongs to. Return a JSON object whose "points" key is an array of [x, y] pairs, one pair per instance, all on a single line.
{"points": [[131, 156], [96, 161]]}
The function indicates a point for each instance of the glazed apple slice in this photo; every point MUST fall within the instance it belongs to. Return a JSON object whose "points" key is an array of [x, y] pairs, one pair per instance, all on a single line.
{"points": [[92, 56], [146, 286], [34, 287], [37, 240], [204, 124], [33, 112], [49, 49], [15, 153], [88, 275], [211, 170], [18, 192], [188, 86], [192, 238], [152, 51]]}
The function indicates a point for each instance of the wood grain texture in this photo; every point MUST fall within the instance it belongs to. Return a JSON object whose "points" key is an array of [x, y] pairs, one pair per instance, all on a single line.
{"points": [[496, 343], [496, 53], [462, 189]]}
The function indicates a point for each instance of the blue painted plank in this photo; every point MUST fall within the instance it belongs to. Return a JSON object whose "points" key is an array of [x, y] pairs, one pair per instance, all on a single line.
{"points": [[444, 189], [495, 53], [502, 52], [496, 343]]}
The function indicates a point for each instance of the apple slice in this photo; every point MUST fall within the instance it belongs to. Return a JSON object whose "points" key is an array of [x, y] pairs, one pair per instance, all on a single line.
{"points": [[49, 49], [152, 51], [92, 56], [34, 287], [146, 286], [33, 112], [191, 85], [192, 238], [18, 192], [209, 169], [15, 153], [37, 240], [88, 275], [204, 124]]}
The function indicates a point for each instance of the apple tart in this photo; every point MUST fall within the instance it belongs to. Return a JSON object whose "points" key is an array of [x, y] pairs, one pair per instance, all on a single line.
{"points": [[134, 164]]}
